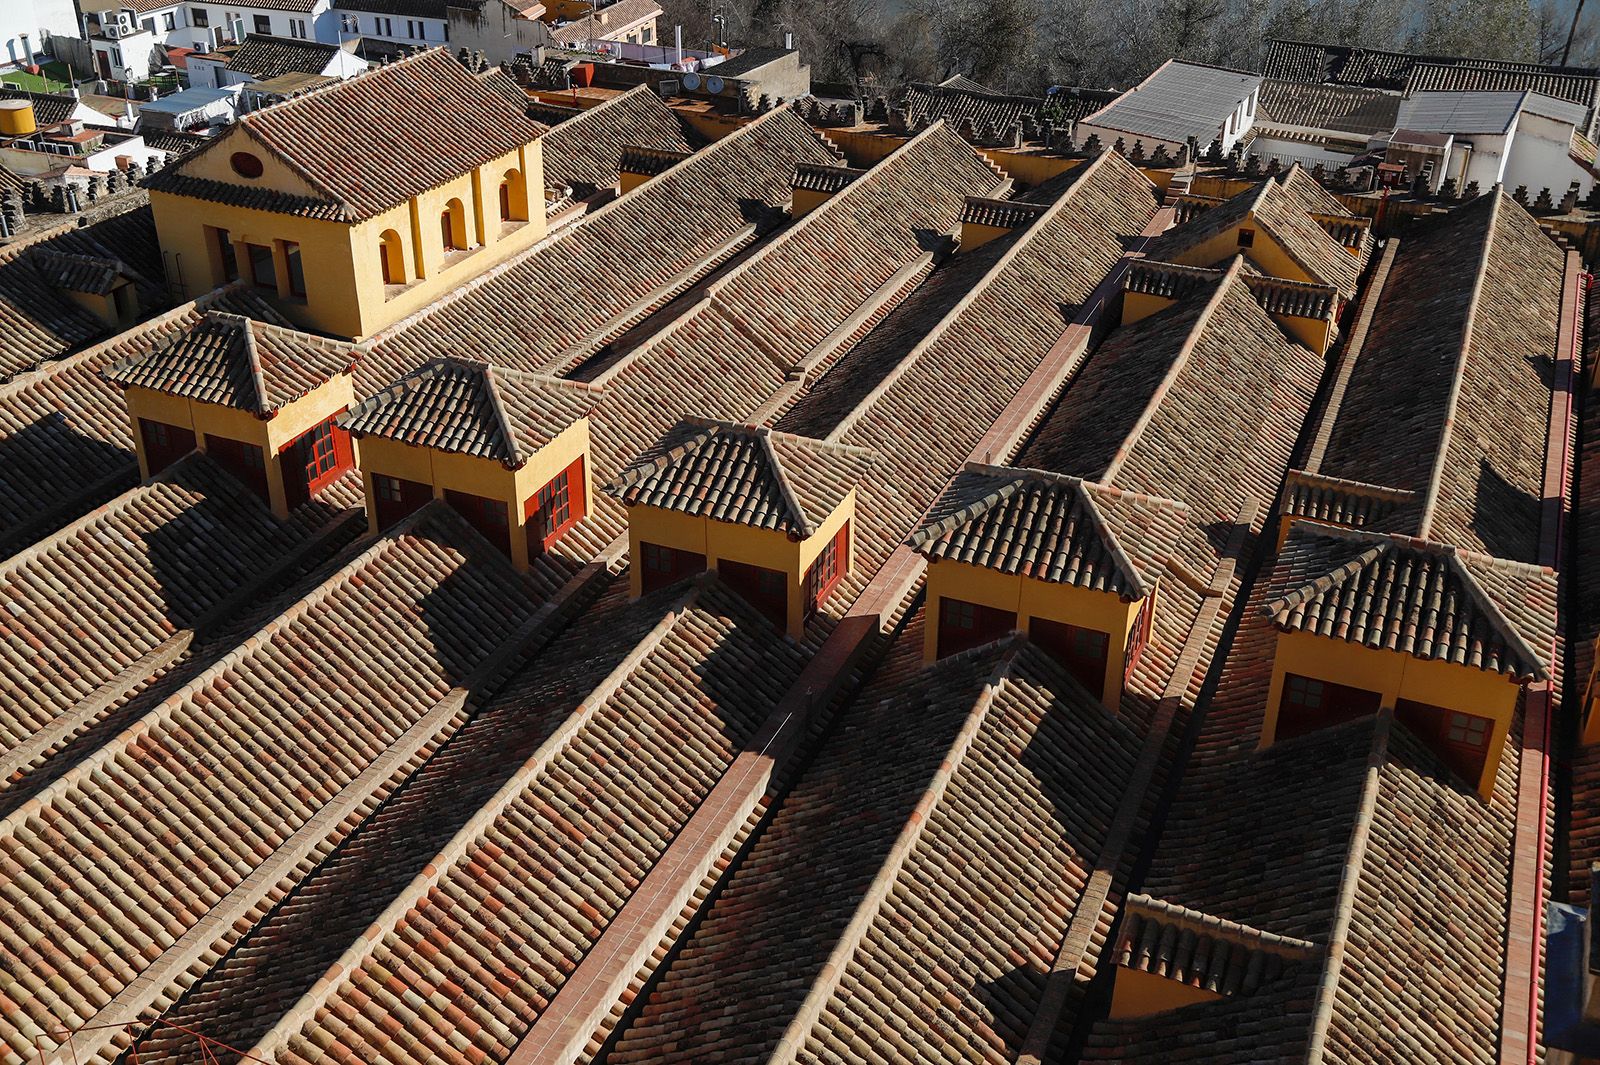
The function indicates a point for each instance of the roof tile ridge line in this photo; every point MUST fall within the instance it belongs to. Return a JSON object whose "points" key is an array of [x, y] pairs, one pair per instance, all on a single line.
{"points": [[449, 855], [1031, 473], [568, 232], [252, 354], [1344, 907], [1367, 488], [876, 892], [640, 469], [1130, 572], [47, 370], [1485, 603], [936, 530], [1287, 246], [498, 408], [1023, 241], [1350, 356], [1166, 909], [882, 296], [1170, 378], [1336, 577], [243, 649], [103, 512], [1430, 504], [781, 475]]}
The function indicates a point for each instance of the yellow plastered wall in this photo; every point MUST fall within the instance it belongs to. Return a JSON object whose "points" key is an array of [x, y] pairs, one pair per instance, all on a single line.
{"points": [[721, 540], [627, 182], [1314, 333], [448, 471], [1394, 676], [271, 435], [1264, 252], [345, 292], [975, 235], [807, 200], [1136, 993], [1029, 168], [1030, 598]]}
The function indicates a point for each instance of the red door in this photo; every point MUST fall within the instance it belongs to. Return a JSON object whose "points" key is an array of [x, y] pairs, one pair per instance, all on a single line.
{"points": [[397, 498], [1461, 740], [765, 589], [164, 444], [660, 566], [963, 625], [486, 515], [1083, 651], [1308, 705], [245, 461]]}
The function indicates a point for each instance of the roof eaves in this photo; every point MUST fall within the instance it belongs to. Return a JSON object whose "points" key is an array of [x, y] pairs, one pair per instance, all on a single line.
{"points": [[513, 456]]}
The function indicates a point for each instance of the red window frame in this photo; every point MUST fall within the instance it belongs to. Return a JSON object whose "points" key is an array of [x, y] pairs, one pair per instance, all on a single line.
{"points": [[1308, 704], [765, 589], [829, 568], [660, 565], [1460, 739], [964, 625], [164, 444], [1138, 637], [1083, 651], [447, 231], [396, 499], [489, 516], [244, 460], [556, 507]]}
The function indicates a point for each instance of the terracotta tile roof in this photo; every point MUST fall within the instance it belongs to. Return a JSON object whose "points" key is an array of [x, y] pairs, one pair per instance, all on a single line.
{"points": [[1162, 405], [171, 817], [1198, 950], [1003, 214], [1341, 502], [93, 275], [64, 429], [1344, 108], [531, 310], [608, 19], [473, 408], [433, 122], [1428, 601], [1448, 398], [819, 177], [585, 151], [1466, 77], [915, 884], [744, 475], [263, 57], [649, 162], [1053, 528], [598, 754], [1285, 207], [1276, 296], [958, 102], [38, 321], [234, 361], [1374, 67]]}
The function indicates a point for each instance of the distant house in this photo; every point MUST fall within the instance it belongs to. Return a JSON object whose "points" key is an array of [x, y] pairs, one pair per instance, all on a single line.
{"points": [[26, 25], [1178, 103], [1327, 124], [129, 39], [263, 58], [1514, 138]]}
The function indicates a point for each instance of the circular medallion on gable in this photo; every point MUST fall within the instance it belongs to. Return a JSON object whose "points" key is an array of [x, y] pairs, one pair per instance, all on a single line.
{"points": [[245, 165]]}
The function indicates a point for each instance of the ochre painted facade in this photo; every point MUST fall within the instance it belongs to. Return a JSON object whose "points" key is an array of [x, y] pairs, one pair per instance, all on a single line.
{"points": [[210, 420], [721, 541], [1395, 675], [448, 471], [1315, 333], [1136, 993], [1030, 598], [343, 264]]}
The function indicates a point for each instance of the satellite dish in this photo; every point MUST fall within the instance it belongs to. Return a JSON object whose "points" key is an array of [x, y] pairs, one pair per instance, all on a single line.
{"points": [[713, 84], [691, 81]]}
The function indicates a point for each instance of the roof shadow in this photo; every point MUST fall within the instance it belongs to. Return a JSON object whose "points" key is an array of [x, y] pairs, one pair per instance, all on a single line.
{"points": [[50, 473]]}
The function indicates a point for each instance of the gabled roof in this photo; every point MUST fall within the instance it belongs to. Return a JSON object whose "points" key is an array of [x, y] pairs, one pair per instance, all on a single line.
{"points": [[237, 362], [473, 408], [1375, 67], [745, 475], [1427, 600], [586, 150], [1285, 207], [373, 141], [1054, 528], [960, 99], [264, 57], [1176, 102], [1343, 108], [94, 275], [1463, 113]]}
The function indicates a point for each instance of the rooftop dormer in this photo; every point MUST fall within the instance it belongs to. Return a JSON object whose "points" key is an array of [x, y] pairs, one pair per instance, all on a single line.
{"points": [[638, 164], [1446, 639], [1337, 501], [1073, 564], [259, 398], [816, 183], [1304, 310], [771, 513], [508, 450], [983, 219], [107, 288], [347, 226]]}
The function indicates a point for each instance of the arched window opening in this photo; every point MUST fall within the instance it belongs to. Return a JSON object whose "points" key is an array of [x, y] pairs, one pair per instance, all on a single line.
{"points": [[453, 227], [391, 258], [513, 197]]}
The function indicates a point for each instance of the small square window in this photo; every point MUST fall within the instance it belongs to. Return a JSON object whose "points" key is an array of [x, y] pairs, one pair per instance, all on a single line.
{"points": [[387, 489], [263, 24], [1247, 238]]}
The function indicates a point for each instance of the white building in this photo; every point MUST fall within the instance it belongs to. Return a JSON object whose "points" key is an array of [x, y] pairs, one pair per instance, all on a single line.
{"points": [[1177, 103], [128, 38], [25, 26], [1510, 138], [395, 25], [261, 58]]}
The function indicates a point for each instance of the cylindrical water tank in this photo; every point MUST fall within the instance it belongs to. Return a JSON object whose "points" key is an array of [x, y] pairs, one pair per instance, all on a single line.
{"points": [[16, 118]]}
